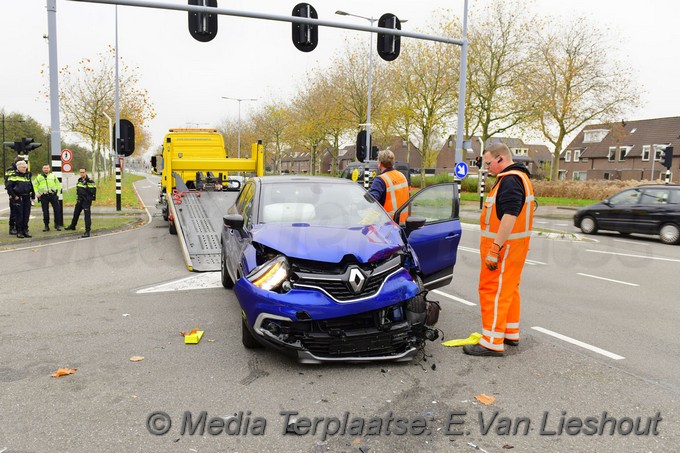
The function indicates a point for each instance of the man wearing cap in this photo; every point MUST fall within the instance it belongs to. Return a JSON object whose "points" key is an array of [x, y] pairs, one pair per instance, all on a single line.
{"points": [[47, 189], [20, 190], [11, 171], [86, 193]]}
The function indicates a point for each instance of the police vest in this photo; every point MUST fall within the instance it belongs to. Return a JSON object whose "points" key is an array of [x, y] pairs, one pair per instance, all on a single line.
{"points": [[47, 184]]}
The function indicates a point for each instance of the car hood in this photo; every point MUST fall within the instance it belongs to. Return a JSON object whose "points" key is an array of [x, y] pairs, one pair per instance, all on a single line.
{"points": [[330, 244]]}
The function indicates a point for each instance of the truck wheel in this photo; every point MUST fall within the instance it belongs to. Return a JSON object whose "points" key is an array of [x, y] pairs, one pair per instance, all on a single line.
{"points": [[173, 228], [249, 342], [165, 214]]}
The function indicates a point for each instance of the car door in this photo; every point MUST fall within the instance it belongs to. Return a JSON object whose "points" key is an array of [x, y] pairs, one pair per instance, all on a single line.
{"points": [[237, 240], [652, 210], [618, 213], [436, 243]]}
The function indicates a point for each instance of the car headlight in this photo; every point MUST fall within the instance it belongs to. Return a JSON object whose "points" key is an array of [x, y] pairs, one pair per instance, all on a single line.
{"points": [[271, 274]]}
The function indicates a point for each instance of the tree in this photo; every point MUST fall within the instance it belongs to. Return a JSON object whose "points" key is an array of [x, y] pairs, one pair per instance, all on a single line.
{"points": [[425, 89], [499, 62], [575, 82], [88, 91], [272, 123]]}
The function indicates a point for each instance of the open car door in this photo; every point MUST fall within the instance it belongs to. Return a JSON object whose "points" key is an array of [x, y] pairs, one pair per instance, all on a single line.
{"points": [[436, 243]]}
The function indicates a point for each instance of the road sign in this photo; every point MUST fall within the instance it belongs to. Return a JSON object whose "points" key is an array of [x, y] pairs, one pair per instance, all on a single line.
{"points": [[461, 170], [66, 167], [66, 155]]}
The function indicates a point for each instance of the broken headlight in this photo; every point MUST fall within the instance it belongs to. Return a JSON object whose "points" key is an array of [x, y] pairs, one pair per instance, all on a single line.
{"points": [[270, 275]]}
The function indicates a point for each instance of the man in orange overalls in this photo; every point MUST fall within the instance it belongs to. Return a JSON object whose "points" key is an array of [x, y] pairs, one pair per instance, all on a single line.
{"points": [[505, 224], [390, 188]]}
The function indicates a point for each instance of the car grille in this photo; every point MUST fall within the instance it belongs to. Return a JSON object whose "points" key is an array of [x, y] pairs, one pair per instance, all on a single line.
{"points": [[339, 289]]}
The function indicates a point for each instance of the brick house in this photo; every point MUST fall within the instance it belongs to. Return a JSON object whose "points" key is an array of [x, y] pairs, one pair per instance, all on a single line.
{"points": [[625, 150]]}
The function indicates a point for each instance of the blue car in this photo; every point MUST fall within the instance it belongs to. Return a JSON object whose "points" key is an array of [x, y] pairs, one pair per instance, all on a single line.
{"points": [[323, 273]]}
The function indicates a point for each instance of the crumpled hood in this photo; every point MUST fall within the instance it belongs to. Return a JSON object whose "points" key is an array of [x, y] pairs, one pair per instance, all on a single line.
{"points": [[330, 244]]}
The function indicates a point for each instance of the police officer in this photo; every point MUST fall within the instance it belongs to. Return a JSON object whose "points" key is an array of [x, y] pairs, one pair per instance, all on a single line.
{"points": [[86, 193], [20, 190], [390, 188], [47, 188], [11, 171]]}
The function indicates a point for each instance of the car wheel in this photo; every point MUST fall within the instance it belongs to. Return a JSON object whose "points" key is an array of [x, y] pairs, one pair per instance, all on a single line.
{"points": [[670, 234], [226, 279], [588, 225], [172, 228], [249, 341]]}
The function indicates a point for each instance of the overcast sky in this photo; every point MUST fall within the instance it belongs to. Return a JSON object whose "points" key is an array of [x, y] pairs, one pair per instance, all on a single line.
{"points": [[252, 58]]}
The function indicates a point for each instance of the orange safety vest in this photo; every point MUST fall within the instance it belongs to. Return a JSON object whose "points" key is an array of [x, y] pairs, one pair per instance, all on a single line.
{"points": [[499, 297], [396, 193]]}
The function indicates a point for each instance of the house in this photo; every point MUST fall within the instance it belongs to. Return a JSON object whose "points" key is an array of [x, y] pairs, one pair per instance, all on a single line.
{"points": [[625, 150]]}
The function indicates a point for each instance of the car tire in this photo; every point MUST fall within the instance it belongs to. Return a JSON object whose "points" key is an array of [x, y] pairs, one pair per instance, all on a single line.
{"points": [[172, 228], [247, 338], [669, 233], [588, 225], [224, 273]]}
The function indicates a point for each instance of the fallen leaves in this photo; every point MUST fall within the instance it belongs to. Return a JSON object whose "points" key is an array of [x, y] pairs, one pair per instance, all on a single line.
{"points": [[191, 332], [64, 372], [485, 399], [136, 358]]}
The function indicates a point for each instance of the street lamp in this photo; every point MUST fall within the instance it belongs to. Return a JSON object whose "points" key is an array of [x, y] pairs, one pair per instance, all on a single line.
{"points": [[4, 151], [111, 152], [370, 76], [239, 118]]}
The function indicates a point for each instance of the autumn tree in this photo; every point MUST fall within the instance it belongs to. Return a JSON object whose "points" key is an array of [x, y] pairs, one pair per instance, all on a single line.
{"points": [[575, 81], [499, 63], [88, 90], [272, 123]]}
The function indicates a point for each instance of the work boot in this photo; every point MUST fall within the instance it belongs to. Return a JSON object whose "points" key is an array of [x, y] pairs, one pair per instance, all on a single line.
{"points": [[47, 228], [26, 235], [70, 227], [20, 235], [13, 230], [511, 342], [479, 350], [85, 234], [57, 227]]}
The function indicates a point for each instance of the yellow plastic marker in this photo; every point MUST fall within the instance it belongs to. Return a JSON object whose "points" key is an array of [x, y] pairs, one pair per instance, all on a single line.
{"points": [[193, 338], [472, 339]]}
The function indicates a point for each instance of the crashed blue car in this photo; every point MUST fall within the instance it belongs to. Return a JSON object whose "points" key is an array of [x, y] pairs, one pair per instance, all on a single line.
{"points": [[323, 273]]}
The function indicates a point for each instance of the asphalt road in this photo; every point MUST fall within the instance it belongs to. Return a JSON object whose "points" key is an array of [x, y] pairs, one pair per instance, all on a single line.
{"points": [[92, 304]]}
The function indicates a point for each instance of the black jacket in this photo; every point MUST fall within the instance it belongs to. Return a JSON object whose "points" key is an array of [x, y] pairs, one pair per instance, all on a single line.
{"points": [[510, 197], [86, 190], [20, 184]]}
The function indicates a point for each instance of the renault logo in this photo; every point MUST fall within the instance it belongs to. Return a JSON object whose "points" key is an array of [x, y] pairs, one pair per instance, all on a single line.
{"points": [[357, 279]]}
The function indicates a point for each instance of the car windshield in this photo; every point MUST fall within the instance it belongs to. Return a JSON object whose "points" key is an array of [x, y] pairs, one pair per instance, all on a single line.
{"points": [[319, 203]]}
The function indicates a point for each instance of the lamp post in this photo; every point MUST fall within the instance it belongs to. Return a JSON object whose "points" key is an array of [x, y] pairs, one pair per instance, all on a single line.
{"points": [[4, 151], [239, 118], [370, 76]]}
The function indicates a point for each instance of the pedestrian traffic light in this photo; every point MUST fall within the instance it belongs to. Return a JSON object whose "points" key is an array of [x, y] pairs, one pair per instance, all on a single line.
{"points": [[478, 162], [27, 145], [305, 36], [667, 156], [361, 146], [126, 144], [389, 46], [203, 26]]}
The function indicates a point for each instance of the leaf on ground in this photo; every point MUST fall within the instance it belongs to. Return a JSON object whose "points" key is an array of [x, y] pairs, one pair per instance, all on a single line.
{"points": [[485, 399], [64, 372], [356, 441], [191, 332], [136, 358]]}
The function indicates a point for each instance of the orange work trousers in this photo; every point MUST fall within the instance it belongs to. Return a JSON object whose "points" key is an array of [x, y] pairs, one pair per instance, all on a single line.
{"points": [[499, 293]]}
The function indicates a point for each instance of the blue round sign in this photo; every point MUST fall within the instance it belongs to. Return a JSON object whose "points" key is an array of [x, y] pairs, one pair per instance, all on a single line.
{"points": [[461, 170]]}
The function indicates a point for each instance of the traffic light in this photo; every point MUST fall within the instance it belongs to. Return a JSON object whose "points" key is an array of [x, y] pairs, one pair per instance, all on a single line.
{"points": [[305, 36], [126, 145], [667, 157], [202, 26], [16, 146], [389, 46], [27, 145], [374, 153], [361, 146], [478, 162]]}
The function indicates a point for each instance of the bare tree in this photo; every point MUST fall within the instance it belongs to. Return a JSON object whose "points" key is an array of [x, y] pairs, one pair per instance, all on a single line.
{"points": [[575, 81]]}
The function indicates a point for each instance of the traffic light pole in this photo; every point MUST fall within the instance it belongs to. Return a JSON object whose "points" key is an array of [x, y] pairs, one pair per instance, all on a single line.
{"points": [[119, 192], [55, 134]]}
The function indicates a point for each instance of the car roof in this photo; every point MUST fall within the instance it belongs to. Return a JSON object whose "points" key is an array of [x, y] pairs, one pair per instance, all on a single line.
{"points": [[297, 179], [668, 186]]}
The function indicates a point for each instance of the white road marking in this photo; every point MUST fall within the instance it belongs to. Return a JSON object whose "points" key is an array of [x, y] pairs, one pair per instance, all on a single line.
{"points": [[611, 355], [626, 241], [457, 299], [468, 249], [607, 279], [636, 256], [206, 280], [561, 224], [536, 262], [541, 222]]}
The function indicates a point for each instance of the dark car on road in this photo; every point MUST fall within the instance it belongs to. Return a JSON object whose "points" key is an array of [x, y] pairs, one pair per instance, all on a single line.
{"points": [[323, 273], [647, 209]]}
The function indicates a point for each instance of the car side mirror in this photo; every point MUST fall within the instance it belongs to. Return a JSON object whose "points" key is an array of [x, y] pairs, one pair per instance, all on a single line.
{"points": [[233, 221], [607, 202], [413, 223]]}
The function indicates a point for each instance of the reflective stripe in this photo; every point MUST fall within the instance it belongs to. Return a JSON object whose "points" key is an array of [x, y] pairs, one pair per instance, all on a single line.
{"points": [[495, 347], [512, 336], [493, 259], [491, 334], [523, 234], [512, 325]]}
